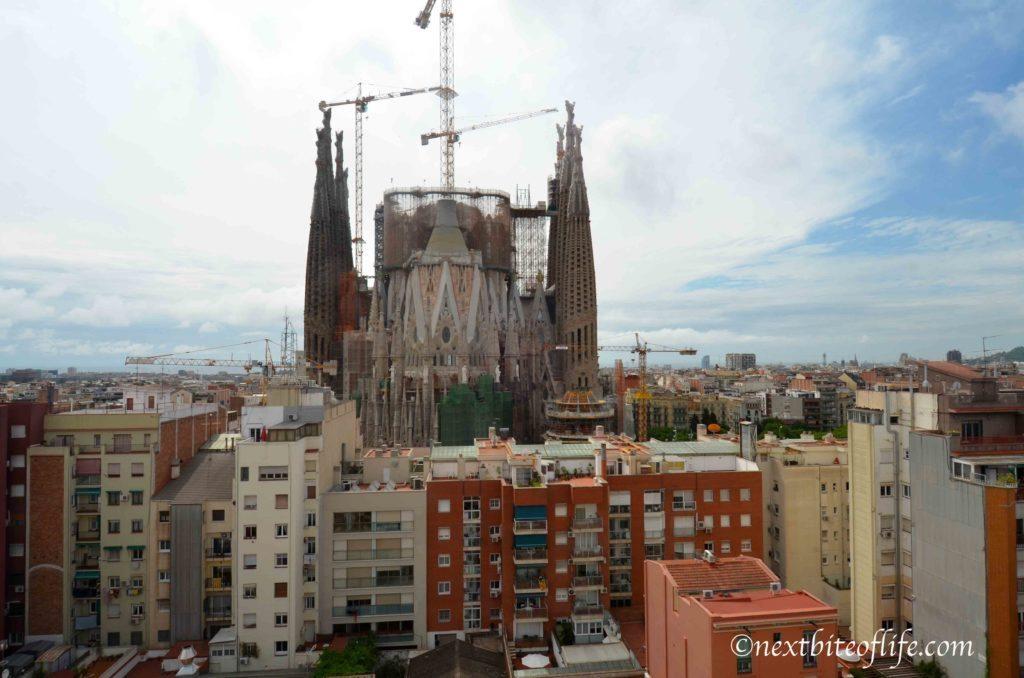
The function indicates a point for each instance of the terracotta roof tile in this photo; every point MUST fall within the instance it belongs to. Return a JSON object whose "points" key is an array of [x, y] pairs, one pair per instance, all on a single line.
{"points": [[739, 573]]}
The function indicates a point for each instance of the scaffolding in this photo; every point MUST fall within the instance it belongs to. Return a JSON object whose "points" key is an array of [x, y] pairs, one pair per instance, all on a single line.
{"points": [[530, 230]]}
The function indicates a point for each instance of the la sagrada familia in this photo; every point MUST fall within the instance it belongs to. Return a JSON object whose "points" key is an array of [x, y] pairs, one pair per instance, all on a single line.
{"points": [[452, 338]]}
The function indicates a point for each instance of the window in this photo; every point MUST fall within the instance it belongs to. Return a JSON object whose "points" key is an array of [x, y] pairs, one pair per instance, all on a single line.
{"points": [[561, 595], [561, 538], [164, 545], [744, 663], [138, 609], [444, 560], [136, 552], [280, 619], [113, 639], [888, 625], [495, 558], [136, 525], [280, 560], [311, 466], [745, 546], [163, 635], [273, 473], [888, 592], [970, 429], [280, 530], [280, 501], [745, 494], [725, 547], [249, 503], [444, 588], [444, 534], [310, 491], [114, 582], [561, 566], [444, 506], [888, 557], [113, 527], [709, 495], [217, 515], [113, 470], [885, 490], [709, 521], [249, 532], [136, 497], [726, 521], [494, 504], [561, 510], [310, 518], [309, 602], [16, 550], [444, 616], [249, 591], [906, 490], [243, 473], [280, 647], [744, 520], [164, 516], [281, 589], [249, 561], [138, 469], [724, 495], [113, 498], [810, 658], [163, 576]]}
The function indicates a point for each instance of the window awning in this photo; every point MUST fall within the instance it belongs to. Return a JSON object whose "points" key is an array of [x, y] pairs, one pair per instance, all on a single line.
{"points": [[87, 574], [88, 491], [111, 548], [135, 548], [539, 512], [531, 540]]}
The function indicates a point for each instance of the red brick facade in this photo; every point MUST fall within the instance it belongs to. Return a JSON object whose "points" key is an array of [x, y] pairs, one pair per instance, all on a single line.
{"points": [[47, 527], [182, 438]]}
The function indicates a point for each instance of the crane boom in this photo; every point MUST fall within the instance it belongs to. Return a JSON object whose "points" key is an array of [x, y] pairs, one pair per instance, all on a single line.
{"points": [[360, 103], [178, 358], [643, 396], [453, 135]]}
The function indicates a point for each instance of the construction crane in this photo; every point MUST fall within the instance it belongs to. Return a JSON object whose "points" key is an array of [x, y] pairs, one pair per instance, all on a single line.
{"points": [[266, 366], [446, 92], [360, 103], [452, 136], [642, 395]]}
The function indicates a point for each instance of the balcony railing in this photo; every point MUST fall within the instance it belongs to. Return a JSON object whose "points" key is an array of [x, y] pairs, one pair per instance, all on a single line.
{"points": [[395, 638], [85, 592], [87, 507], [471, 542], [621, 587], [587, 609], [218, 583], [586, 552], [654, 508], [86, 562], [87, 535], [528, 554], [684, 506], [372, 610], [471, 516], [529, 583], [218, 613], [215, 554], [619, 535], [471, 569], [529, 526], [683, 532], [539, 613], [654, 535], [586, 581], [394, 526], [588, 523], [374, 554], [87, 480], [471, 597], [86, 622], [621, 561], [372, 582], [619, 509]]}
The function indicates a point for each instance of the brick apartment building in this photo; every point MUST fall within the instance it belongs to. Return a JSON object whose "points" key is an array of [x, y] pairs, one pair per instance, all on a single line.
{"points": [[21, 426], [527, 535]]}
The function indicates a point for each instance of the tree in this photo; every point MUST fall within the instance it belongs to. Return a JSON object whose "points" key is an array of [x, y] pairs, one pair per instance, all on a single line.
{"points": [[694, 422], [359, 656], [391, 667]]}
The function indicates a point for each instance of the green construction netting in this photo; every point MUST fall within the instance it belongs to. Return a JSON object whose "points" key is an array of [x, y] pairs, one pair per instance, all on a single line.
{"points": [[466, 413]]}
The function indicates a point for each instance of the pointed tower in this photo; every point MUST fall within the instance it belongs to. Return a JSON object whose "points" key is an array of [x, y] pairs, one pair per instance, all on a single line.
{"points": [[322, 270], [575, 288]]}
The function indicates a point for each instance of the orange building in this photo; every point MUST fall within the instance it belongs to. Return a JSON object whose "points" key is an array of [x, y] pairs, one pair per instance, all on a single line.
{"points": [[526, 535], [721, 617]]}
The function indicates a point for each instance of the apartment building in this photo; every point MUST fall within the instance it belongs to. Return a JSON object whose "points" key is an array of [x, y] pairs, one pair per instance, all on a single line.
{"points": [[560, 531], [193, 519], [696, 607], [740, 361], [968, 547], [807, 522], [302, 435], [943, 397], [374, 556], [90, 487], [21, 426]]}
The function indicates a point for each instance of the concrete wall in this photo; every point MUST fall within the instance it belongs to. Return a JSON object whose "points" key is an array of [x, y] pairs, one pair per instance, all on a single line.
{"points": [[186, 572], [949, 555]]}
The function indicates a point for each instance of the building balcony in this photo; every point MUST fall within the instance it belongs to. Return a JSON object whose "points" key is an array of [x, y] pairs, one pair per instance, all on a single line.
{"points": [[86, 622], [86, 536], [85, 591], [374, 554], [471, 516], [684, 506], [530, 527], [86, 508], [86, 562], [620, 588], [525, 556], [471, 570], [588, 524], [619, 509], [619, 535], [218, 554], [587, 553], [590, 581], [530, 584], [471, 542], [372, 582], [373, 610], [654, 535], [539, 613], [218, 583], [217, 613], [88, 481], [471, 597], [654, 508], [396, 526], [582, 611], [683, 532], [619, 562], [390, 639]]}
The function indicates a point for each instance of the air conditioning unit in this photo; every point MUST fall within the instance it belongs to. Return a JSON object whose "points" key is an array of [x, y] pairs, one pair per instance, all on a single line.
{"points": [[700, 524], [604, 589], [19, 589], [775, 586], [495, 593], [572, 592], [707, 593], [124, 496], [243, 661], [886, 534], [495, 538]]}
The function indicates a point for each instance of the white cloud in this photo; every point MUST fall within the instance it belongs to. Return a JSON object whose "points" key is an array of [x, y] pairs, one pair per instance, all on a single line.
{"points": [[209, 328], [105, 311], [1006, 108]]}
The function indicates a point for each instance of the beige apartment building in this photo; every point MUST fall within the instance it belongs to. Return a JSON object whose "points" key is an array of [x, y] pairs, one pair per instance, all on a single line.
{"points": [[90, 488], [191, 569], [373, 529], [303, 436], [806, 483]]}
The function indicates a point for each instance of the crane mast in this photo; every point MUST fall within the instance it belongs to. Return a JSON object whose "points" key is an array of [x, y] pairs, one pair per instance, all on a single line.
{"points": [[643, 397], [447, 92], [360, 103]]}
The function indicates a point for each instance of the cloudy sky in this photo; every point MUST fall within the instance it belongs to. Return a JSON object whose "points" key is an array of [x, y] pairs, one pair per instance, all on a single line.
{"points": [[782, 178]]}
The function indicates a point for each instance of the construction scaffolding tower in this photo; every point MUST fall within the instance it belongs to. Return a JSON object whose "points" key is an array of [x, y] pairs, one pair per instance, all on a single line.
{"points": [[530, 229]]}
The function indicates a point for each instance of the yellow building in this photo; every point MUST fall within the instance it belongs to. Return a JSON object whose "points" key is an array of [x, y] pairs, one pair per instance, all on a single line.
{"points": [[806, 485]]}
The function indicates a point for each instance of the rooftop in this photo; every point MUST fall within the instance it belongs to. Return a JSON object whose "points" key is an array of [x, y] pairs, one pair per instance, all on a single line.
{"points": [[739, 573], [207, 477], [769, 603], [955, 370]]}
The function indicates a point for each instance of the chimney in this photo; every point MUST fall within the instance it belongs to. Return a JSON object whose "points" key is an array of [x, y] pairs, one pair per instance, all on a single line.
{"points": [[175, 468], [748, 440], [462, 467], [599, 431], [600, 461], [492, 435]]}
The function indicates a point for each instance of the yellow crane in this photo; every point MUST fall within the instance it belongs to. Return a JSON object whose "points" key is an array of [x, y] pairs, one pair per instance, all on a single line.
{"points": [[185, 359], [643, 397]]}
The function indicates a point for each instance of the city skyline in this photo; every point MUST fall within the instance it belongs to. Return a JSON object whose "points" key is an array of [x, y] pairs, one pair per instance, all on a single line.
{"points": [[841, 185]]}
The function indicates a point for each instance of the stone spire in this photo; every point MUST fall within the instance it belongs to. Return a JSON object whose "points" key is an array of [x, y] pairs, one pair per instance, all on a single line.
{"points": [[341, 220], [575, 288], [320, 312]]}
